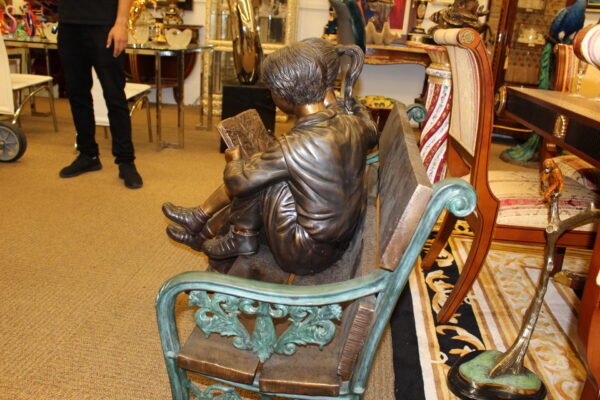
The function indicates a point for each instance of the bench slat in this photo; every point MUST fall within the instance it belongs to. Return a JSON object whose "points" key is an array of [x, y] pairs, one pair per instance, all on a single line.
{"points": [[216, 356], [309, 371], [404, 189]]}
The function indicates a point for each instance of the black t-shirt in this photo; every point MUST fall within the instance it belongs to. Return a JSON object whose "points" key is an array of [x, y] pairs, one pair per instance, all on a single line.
{"points": [[92, 12]]}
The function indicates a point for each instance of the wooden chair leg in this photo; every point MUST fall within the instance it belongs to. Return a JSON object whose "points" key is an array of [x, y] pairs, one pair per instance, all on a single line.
{"points": [[591, 391], [479, 250], [440, 241]]}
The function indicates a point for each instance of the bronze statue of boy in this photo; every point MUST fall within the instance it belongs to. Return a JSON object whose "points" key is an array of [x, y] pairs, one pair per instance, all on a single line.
{"points": [[307, 192]]}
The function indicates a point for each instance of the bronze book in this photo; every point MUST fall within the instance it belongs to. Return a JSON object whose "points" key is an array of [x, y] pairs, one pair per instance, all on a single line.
{"points": [[247, 131]]}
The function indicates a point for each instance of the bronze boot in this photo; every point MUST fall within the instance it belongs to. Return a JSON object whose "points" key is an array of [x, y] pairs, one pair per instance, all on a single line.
{"points": [[237, 242], [181, 235], [192, 219]]}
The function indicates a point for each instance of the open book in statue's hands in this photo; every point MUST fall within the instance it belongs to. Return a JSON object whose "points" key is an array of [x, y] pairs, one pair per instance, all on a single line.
{"points": [[247, 131]]}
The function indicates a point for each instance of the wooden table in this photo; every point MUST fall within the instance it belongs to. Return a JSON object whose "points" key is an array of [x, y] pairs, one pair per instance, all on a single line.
{"points": [[573, 123], [395, 54]]}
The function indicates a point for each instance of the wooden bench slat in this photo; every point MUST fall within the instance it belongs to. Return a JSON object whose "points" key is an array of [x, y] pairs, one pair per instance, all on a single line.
{"points": [[216, 356], [355, 328], [404, 188], [309, 371]]}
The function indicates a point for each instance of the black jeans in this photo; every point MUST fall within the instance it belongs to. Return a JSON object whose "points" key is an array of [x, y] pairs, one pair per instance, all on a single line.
{"points": [[82, 47]]}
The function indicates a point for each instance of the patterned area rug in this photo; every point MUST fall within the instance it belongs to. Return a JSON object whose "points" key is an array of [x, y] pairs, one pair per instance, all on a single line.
{"points": [[490, 318]]}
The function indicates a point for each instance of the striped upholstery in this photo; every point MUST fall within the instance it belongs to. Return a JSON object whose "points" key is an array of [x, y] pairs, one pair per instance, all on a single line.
{"points": [[521, 201], [566, 68], [465, 90], [580, 171]]}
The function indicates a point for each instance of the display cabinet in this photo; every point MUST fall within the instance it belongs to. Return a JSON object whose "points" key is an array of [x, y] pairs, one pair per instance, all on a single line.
{"points": [[276, 21], [515, 45]]}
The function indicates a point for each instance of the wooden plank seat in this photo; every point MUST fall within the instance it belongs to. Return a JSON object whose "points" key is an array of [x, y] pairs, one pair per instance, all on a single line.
{"points": [[316, 336]]}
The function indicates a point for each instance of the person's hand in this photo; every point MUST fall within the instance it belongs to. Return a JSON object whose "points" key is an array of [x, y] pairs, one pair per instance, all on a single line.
{"points": [[232, 155], [118, 37]]}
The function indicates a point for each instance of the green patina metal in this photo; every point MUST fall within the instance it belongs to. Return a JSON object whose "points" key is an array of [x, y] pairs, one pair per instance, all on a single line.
{"points": [[215, 392], [310, 309], [308, 325], [478, 369]]}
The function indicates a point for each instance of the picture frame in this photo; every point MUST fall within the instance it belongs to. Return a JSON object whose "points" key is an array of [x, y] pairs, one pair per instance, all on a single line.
{"points": [[183, 4]]}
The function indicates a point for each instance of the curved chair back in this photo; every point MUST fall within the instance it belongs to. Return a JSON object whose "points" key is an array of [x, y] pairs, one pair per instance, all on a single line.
{"points": [[472, 107], [566, 68]]}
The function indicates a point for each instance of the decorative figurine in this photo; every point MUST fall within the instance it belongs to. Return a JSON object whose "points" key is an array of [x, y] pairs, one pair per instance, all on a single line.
{"points": [[417, 34], [350, 25], [6, 27], [158, 33], [461, 14], [138, 7], [247, 50], [306, 193], [378, 26], [172, 15], [30, 20], [490, 374]]}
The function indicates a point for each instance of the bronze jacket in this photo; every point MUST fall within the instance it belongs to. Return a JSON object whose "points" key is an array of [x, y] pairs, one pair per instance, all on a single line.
{"points": [[323, 160]]}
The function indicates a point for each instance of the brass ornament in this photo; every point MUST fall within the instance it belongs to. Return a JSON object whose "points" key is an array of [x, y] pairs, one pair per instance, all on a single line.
{"points": [[500, 100], [560, 126], [466, 37]]}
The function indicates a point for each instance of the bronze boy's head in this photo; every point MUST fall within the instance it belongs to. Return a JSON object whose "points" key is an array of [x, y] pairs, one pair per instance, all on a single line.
{"points": [[329, 57], [295, 75]]}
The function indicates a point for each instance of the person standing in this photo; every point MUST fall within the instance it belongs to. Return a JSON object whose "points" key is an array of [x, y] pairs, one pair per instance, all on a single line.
{"points": [[93, 33]]}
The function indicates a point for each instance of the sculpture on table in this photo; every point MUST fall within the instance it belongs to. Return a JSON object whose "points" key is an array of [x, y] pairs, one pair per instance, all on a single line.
{"points": [[491, 374], [138, 8], [247, 50], [565, 24], [172, 15], [349, 23], [8, 28], [378, 26], [461, 14], [305, 193]]}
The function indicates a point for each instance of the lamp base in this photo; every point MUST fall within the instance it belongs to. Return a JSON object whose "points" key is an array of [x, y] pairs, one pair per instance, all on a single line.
{"points": [[468, 380]]}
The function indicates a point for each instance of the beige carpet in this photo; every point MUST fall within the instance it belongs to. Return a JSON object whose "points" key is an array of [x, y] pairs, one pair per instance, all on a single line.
{"points": [[83, 258]]}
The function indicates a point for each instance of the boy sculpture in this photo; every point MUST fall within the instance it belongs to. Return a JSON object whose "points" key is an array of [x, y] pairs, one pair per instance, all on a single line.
{"points": [[306, 192]]}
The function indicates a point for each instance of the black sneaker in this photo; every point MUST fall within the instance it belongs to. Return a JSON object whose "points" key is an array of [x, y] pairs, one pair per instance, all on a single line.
{"points": [[82, 164], [129, 174]]}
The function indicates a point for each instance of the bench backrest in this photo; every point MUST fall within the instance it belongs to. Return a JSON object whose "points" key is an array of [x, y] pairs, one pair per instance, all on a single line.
{"points": [[404, 189]]}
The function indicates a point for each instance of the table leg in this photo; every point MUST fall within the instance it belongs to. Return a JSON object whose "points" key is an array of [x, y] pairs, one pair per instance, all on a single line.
{"points": [[159, 141], [33, 106], [207, 60], [180, 99], [211, 59]]}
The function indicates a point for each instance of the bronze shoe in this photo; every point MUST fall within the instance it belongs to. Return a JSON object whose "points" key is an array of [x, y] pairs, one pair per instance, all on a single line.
{"points": [[181, 235], [237, 242], [192, 219]]}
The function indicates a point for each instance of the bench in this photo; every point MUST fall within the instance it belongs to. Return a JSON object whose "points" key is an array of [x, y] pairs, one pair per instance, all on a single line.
{"points": [[316, 337]]}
